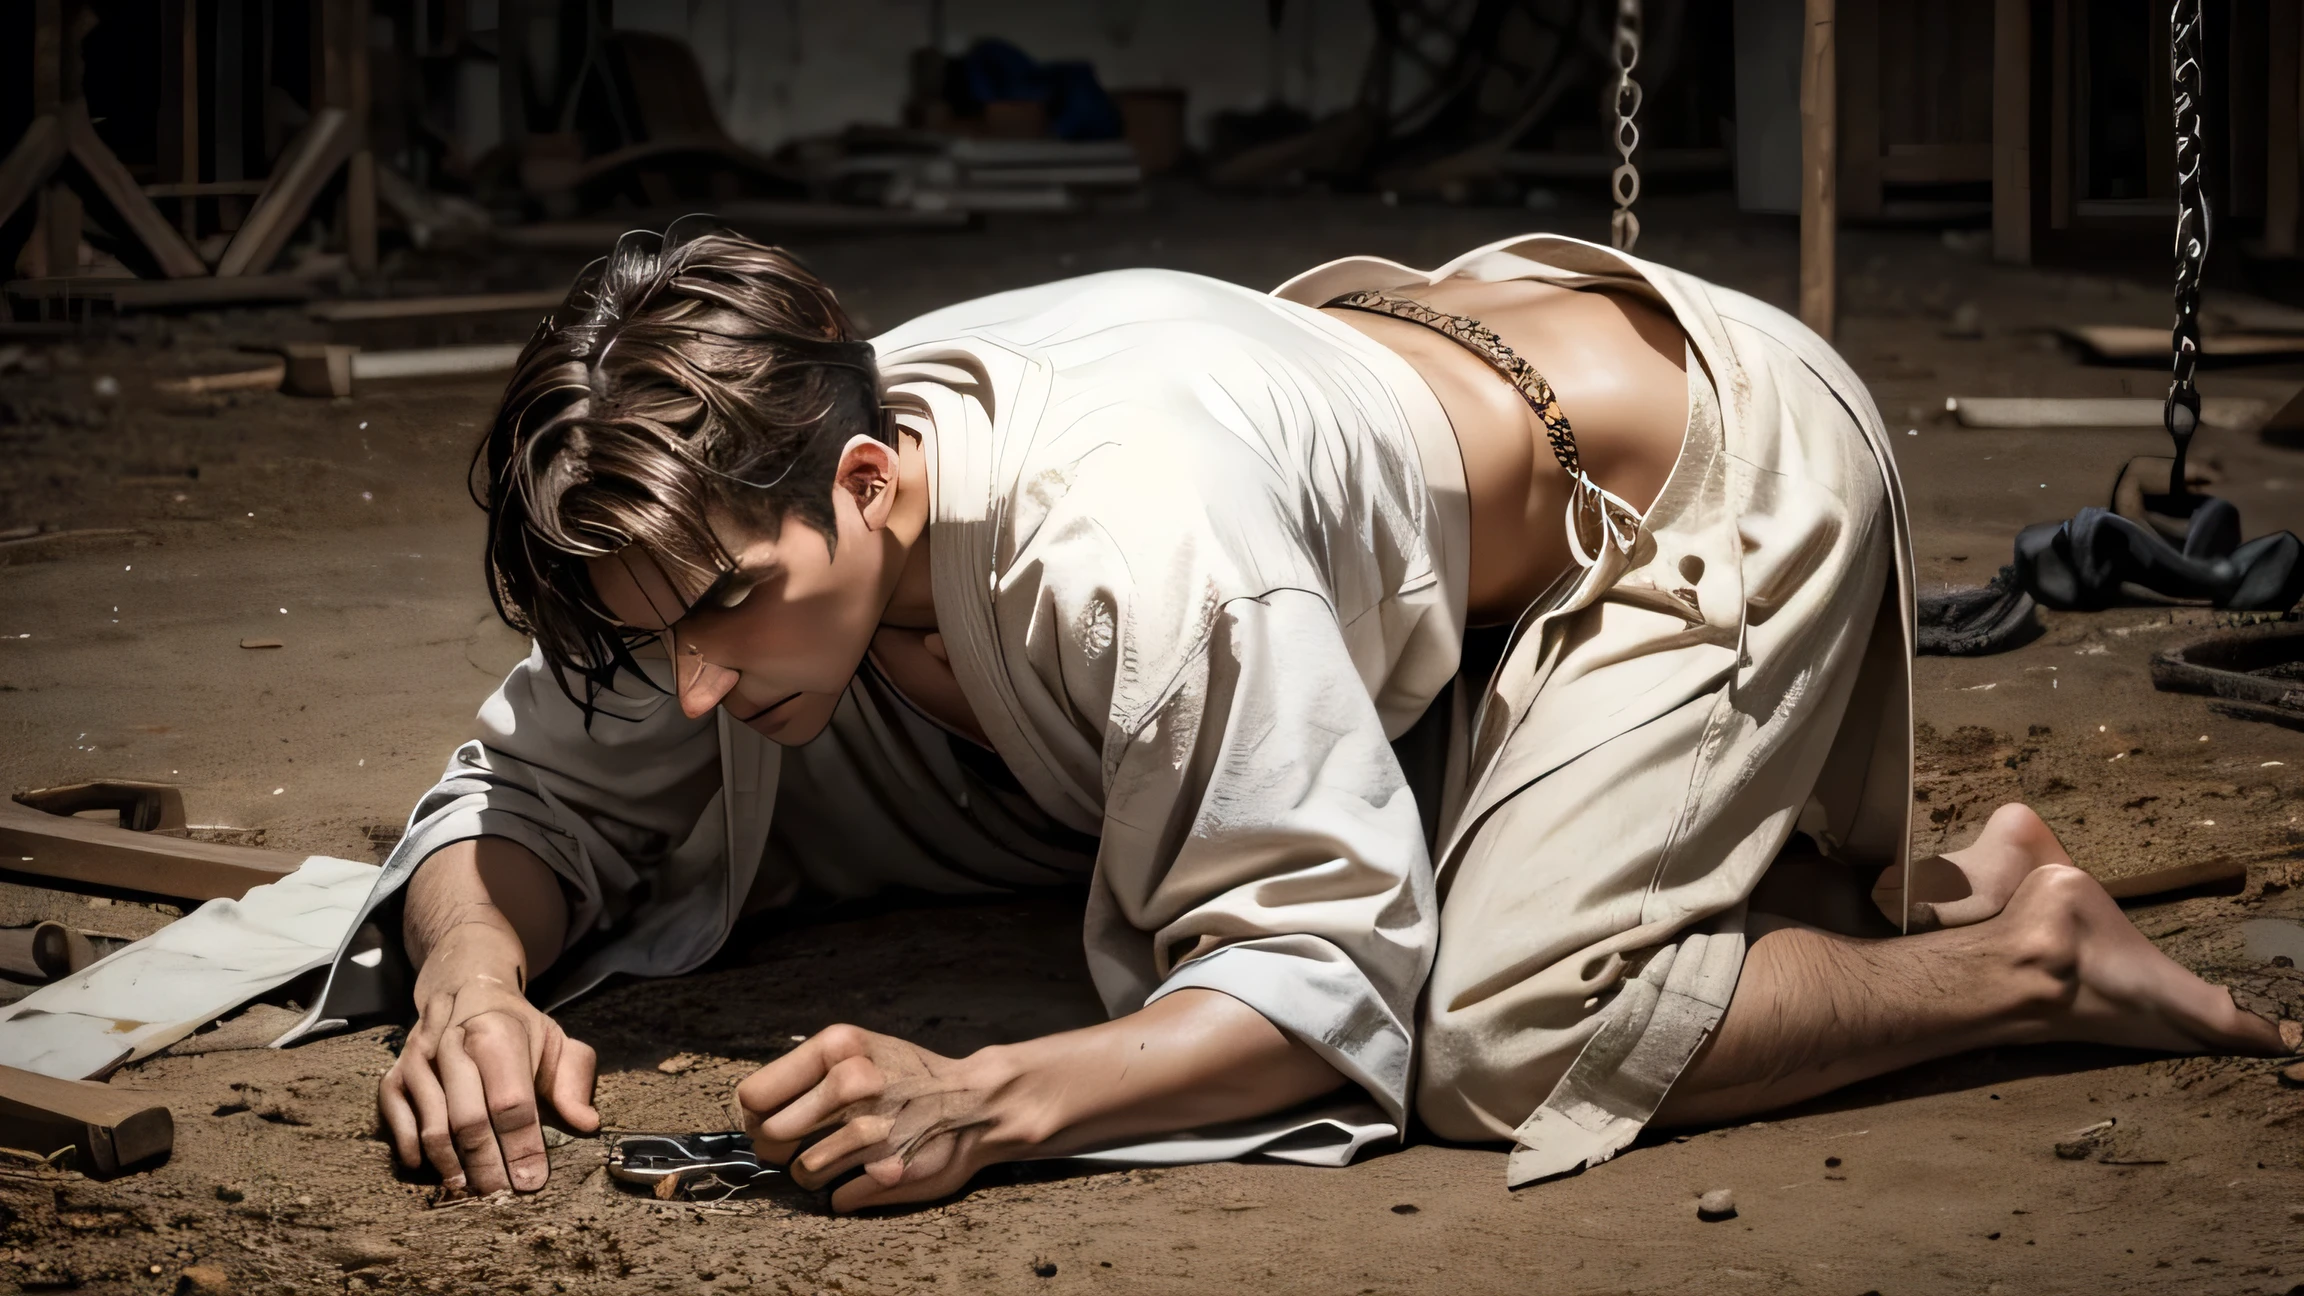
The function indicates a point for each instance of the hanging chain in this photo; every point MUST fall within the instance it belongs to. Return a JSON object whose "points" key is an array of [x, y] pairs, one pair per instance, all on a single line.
{"points": [[1623, 226], [2182, 412]]}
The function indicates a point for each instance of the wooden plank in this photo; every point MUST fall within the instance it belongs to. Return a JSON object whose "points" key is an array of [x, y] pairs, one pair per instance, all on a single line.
{"points": [[303, 170], [162, 294], [47, 55], [2012, 132], [1861, 163], [110, 1129], [351, 41], [392, 308], [1819, 168], [2140, 342], [2283, 135], [94, 854], [176, 257], [30, 163]]}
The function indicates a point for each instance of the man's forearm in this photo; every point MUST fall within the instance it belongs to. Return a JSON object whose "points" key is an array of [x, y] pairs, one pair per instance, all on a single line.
{"points": [[491, 904], [1192, 1059]]}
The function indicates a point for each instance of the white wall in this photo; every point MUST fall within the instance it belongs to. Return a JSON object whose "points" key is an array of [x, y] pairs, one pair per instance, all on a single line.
{"points": [[781, 68]]}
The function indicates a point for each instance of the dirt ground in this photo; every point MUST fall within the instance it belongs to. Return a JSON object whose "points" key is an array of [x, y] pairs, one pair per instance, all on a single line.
{"points": [[343, 529]]}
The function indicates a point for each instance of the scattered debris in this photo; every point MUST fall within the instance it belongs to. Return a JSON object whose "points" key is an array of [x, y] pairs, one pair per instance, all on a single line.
{"points": [[1716, 1205], [262, 643], [105, 387], [678, 1063], [2082, 1143], [205, 1280]]}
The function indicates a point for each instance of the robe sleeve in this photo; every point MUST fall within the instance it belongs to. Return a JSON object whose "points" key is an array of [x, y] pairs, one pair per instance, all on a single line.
{"points": [[1258, 836], [599, 804]]}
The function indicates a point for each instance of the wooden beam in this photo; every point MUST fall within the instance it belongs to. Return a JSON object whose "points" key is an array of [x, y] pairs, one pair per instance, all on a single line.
{"points": [[1819, 196], [2284, 126], [2062, 96], [303, 170], [1862, 168], [2012, 131], [176, 257], [110, 1129], [360, 170], [35, 158], [94, 854]]}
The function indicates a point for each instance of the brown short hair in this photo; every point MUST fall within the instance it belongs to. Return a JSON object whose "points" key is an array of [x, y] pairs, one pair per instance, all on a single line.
{"points": [[687, 374]]}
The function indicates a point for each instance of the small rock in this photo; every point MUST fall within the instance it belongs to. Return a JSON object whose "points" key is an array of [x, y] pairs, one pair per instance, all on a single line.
{"points": [[228, 1194], [204, 1280], [554, 1138], [678, 1063], [1044, 1268], [1718, 1204], [1404, 1208], [2293, 1075], [106, 387]]}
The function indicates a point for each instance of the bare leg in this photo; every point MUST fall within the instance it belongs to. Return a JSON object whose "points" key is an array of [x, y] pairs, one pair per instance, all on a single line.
{"points": [[1814, 1011]]}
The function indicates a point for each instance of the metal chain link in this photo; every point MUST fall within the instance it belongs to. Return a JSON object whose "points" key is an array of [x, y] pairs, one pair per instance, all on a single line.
{"points": [[2181, 414], [1623, 226]]}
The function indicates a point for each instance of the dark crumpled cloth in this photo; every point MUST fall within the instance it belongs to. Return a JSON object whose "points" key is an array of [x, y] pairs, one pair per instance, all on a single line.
{"points": [[2087, 562]]}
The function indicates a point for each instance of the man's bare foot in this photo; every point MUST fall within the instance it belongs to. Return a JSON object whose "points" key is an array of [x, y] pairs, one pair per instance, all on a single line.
{"points": [[2099, 979], [1984, 875]]}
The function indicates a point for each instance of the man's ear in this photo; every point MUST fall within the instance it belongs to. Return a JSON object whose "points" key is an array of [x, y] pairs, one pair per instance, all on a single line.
{"points": [[867, 473]]}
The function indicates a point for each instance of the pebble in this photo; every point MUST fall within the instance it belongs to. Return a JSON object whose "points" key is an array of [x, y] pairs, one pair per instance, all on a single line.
{"points": [[206, 1280], [1718, 1204], [2293, 1074], [678, 1063]]}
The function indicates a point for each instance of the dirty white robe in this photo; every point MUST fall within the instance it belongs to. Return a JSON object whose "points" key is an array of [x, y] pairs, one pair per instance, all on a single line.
{"points": [[1193, 580]]}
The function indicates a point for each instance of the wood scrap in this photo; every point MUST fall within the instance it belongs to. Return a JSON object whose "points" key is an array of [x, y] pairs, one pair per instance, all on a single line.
{"points": [[73, 850], [44, 951], [2230, 873], [2107, 412], [262, 378], [435, 362], [109, 1130], [317, 368]]}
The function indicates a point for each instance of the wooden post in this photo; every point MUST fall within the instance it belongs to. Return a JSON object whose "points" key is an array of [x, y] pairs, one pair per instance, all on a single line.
{"points": [[56, 249], [1857, 36], [2284, 126], [360, 172], [2062, 94], [2012, 131], [1819, 196]]}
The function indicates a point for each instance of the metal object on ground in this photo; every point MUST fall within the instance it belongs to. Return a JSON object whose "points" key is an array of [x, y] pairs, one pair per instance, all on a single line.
{"points": [[686, 1165], [2255, 674]]}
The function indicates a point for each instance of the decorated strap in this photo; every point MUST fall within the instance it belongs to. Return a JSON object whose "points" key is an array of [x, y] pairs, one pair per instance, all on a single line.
{"points": [[1595, 516]]}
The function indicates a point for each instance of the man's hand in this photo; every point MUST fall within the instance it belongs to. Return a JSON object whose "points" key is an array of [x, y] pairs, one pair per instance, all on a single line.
{"points": [[464, 1094], [919, 1124]]}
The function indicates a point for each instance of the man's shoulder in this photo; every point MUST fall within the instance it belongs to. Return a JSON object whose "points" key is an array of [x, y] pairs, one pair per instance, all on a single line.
{"points": [[1066, 307]]}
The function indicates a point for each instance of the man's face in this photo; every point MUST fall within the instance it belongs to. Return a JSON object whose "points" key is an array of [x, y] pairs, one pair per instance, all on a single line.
{"points": [[775, 640]]}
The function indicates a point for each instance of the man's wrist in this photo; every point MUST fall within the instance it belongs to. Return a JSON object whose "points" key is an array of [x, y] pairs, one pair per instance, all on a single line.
{"points": [[1024, 1111], [472, 951]]}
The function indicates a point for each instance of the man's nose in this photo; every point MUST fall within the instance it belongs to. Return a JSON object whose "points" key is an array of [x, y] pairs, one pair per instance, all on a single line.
{"points": [[702, 684]]}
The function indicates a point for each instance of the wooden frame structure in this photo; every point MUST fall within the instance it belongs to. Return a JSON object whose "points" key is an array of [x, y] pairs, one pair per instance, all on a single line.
{"points": [[62, 136]]}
